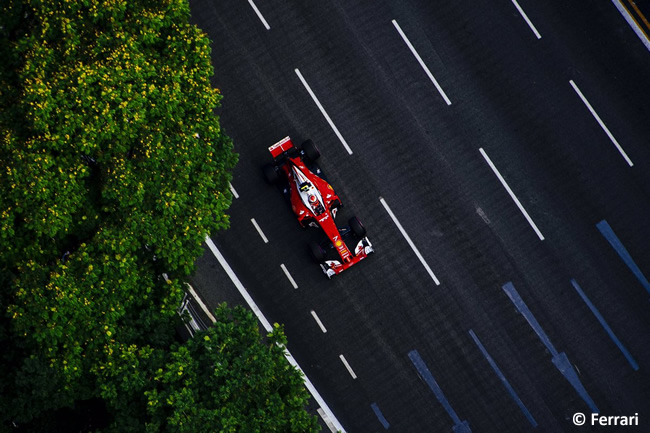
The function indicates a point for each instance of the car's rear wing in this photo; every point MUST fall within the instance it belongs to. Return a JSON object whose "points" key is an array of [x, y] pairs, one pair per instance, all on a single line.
{"points": [[281, 146]]}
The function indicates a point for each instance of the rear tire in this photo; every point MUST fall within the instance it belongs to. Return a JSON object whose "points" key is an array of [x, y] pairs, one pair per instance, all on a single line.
{"points": [[357, 228], [270, 174], [311, 151], [317, 252]]}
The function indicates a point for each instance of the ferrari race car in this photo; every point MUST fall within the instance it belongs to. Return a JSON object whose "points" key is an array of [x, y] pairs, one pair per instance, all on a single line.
{"points": [[316, 204]]}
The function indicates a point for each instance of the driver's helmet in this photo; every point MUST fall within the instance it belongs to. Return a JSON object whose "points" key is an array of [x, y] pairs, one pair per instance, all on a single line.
{"points": [[313, 200]]}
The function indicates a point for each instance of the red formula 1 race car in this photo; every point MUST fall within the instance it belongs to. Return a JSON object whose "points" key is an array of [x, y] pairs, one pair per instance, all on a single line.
{"points": [[315, 203]]}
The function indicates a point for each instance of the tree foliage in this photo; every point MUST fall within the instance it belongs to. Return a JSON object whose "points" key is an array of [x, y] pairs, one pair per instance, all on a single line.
{"points": [[225, 380], [113, 168]]}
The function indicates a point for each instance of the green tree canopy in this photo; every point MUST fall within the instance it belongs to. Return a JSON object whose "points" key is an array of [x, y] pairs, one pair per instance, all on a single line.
{"points": [[227, 380], [113, 168]]}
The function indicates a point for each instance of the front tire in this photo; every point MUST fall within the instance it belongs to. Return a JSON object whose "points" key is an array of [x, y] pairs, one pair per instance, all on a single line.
{"points": [[310, 150], [317, 252], [270, 174], [357, 228]]}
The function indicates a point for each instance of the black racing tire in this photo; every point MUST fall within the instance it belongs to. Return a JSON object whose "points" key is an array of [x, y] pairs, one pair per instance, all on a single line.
{"points": [[311, 151], [317, 252], [270, 174], [357, 228]]}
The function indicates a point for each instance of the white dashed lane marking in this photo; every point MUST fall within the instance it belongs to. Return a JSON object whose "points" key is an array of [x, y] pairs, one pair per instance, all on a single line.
{"points": [[525, 17], [286, 272], [317, 319], [601, 123], [347, 365], [259, 230], [512, 194], [259, 15], [322, 110], [421, 62], [409, 241], [232, 190]]}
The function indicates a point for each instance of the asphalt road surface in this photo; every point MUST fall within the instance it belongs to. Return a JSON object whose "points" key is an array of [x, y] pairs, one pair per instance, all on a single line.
{"points": [[511, 142]]}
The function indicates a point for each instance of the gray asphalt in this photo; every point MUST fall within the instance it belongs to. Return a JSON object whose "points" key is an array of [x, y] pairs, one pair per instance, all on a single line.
{"points": [[511, 96]]}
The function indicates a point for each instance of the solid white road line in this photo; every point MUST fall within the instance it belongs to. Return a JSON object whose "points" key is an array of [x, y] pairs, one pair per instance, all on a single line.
{"points": [[345, 362], [267, 326], [265, 323], [632, 22], [232, 190], [201, 304], [410, 242], [322, 110], [601, 123], [530, 24], [259, 15], [327, 422], [286, 272], [259, 230], [320, 324], [421, 62], [512, 194]]}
